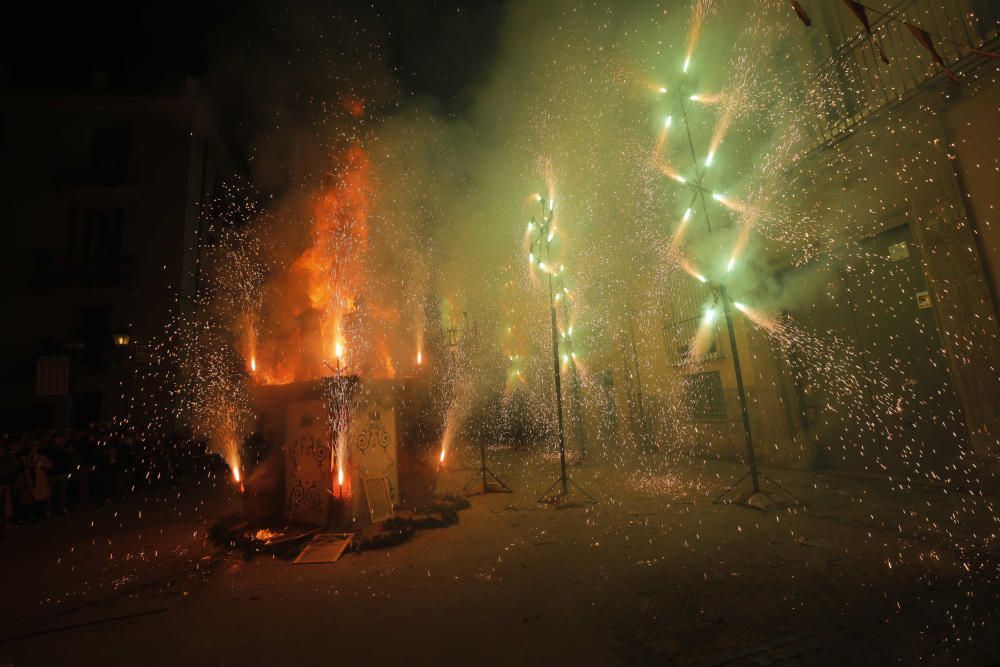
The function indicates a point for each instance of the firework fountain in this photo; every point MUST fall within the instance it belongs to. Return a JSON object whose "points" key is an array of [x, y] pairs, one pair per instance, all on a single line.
{"points": [[363, 272]]}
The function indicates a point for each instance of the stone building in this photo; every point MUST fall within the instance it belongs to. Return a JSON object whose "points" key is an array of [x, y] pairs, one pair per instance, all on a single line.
{"points": [[100, 194], [905, 162]]}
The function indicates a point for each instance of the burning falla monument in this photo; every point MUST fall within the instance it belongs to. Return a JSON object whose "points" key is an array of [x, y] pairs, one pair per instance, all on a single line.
{"points": [[323, 334], [344, 451]]}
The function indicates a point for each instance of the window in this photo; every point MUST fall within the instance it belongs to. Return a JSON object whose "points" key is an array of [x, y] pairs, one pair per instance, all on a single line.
{"points": [[92, 324], [683, 310], [111, 155], [96, 246], [704, 395]]}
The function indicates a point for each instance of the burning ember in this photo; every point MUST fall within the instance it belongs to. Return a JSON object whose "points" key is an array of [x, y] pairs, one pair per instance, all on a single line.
{"points": [[266, 535]]}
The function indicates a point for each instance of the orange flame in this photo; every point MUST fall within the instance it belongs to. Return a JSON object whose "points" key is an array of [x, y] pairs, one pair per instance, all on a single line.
{"points": [[702, 8], [335, 321], [332, 269]]}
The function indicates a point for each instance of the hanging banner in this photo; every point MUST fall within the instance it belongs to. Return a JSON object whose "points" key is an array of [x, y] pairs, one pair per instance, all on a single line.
{"points": [[925, 39], [862, 15], [801, 13]]}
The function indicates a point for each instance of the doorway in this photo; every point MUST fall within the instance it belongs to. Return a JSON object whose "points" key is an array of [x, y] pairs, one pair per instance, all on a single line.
{"points": [[904, 416]]}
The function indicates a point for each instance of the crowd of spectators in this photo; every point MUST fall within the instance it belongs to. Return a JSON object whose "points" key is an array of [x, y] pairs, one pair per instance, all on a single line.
{"points": [[55, 472]]}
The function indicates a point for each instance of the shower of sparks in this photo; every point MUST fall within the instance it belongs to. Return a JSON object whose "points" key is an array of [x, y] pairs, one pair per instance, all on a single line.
{"points": [[408, 258]]}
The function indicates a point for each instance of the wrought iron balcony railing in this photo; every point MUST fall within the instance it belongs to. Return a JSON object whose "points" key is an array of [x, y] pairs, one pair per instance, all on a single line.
{"points": [[854, 83]]}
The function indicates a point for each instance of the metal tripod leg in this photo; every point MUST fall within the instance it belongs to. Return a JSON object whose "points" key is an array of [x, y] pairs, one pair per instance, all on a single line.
{"points": [[501, 482], [480, 476], [569, 480], [580, 489], [545, 494], [797, 499], [730, 488]]}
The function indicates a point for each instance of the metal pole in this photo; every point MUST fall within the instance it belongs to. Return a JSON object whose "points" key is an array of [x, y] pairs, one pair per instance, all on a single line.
{"points": [[579, 430], [482, 461], [646, 435], [699, 172], [545, 236], [555, 353], [724, 295], [555, 364], [741, 392]]}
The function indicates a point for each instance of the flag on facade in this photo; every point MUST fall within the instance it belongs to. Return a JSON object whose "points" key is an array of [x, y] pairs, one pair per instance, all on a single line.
{"points": [[801, 13], [861, 13], [925, 39]]}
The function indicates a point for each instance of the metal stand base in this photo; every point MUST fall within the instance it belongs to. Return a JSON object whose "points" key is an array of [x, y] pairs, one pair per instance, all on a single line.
{"points": [[746, 502], [487, 487], [559, 498]]}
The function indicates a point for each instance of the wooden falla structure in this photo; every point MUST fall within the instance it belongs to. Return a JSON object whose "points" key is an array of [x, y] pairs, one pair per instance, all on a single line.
{"points": [[342, 450]]}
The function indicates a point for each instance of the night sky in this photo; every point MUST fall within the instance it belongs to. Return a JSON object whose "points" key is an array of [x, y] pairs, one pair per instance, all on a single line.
{"points": [[255, 57]]}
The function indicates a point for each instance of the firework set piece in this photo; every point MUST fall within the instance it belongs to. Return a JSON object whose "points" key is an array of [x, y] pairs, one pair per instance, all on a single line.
{"points": [[485, 473], [718, 282], [343, 452], [542, 232]]}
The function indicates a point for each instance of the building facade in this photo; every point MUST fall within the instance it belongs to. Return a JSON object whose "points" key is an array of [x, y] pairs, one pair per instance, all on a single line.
{"points": [[905, 165], [101, 206]]}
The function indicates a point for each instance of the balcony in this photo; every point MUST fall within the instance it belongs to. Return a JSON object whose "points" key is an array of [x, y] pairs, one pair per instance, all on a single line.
{"points": [[854, 84]]}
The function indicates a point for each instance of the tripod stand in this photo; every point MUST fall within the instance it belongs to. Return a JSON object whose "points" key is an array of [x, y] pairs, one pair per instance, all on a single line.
{"points": [[759, 503], [543, 243], [484, 471], [565, 481]]}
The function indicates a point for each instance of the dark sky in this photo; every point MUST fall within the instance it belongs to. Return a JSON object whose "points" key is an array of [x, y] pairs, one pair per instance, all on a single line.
{"points": [[258, 56]]}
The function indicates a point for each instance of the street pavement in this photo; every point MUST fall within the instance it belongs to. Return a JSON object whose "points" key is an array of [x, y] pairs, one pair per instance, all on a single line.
{"points": [[653, 573]]}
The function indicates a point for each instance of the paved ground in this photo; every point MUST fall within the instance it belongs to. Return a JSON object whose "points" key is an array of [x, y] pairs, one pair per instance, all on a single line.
{"points": [[654, 574]]}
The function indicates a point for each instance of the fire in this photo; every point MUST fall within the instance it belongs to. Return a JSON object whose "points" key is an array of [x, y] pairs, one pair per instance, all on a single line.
{"points": [[420, 358], [341, 449], [678, 236], [236, 474], [691, 271], [246, 332], [702, 9], [667, 170], [328, 311], [332, 268], [266, 535], [706, 98], [770, 324], [449, 429], [354, 105], [661, 138]]}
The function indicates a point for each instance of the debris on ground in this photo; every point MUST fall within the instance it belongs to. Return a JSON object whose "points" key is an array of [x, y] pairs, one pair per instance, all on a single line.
{"points": [[289, 541], [438, 513], [325, 548], [235, 532]]}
